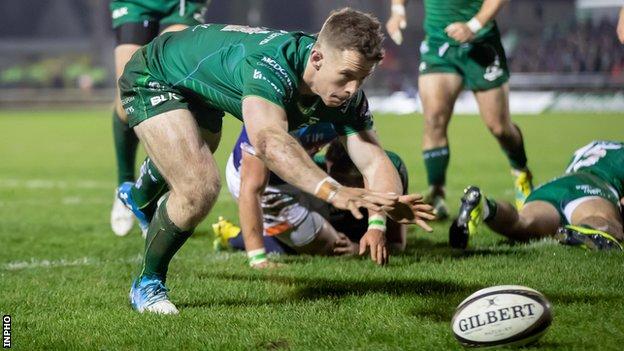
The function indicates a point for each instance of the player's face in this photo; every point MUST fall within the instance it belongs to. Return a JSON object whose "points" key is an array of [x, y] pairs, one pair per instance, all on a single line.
{"points": [[340, 75]]}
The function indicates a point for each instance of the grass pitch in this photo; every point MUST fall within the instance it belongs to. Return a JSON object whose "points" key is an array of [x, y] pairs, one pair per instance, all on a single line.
{"points": [[64, 277]]}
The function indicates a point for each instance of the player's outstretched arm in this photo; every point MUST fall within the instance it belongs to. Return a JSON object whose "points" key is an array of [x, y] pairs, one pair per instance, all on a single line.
{"points": [[267, 126], [397, 21], [464, 32], [381, 176]]}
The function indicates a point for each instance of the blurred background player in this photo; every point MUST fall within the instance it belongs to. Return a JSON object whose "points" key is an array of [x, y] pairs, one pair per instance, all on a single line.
{"points": [[136, 23], [282, 219], [583, 207], [462, 49]]}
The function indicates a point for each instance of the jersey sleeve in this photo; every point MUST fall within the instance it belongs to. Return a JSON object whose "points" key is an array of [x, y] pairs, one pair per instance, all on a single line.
{"points": [[356, 117], [268, 79]]}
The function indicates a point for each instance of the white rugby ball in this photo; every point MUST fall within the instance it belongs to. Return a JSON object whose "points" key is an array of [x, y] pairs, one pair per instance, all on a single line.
{"points": [[504, 315]]}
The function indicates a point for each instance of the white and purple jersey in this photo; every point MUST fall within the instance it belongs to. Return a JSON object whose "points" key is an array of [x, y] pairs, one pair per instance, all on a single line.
{"points": [[312, 138], [284, 206]]}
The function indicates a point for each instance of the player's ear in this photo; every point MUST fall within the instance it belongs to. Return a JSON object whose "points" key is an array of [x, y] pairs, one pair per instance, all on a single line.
{"points": [[316, 58]]}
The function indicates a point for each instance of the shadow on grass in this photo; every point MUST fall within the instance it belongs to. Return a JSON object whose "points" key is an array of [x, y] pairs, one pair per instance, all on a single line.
{"points": [[447, 294], [422, 249]]}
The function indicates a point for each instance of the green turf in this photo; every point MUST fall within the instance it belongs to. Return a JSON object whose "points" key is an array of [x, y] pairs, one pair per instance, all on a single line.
{"points": [[64, 276]]}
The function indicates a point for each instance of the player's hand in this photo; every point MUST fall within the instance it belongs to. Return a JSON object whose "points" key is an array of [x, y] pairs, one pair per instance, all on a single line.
{"points": [[344, 246], [395, 24], [460, 32], [375, 240], [620, 27], [268, 265], [352, 199], [411, 209]]}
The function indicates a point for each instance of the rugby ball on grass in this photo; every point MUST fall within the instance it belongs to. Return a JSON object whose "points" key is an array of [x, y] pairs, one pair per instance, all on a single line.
{"points": [[504, 315]]}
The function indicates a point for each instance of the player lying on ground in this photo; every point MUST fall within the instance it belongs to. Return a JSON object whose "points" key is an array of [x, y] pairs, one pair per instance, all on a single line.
{"points": [[136, 23], [462, 49], [582, 207], [291, 221], [176, 89]]}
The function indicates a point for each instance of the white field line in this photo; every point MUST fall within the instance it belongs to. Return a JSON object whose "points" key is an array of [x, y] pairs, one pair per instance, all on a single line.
{"points": [[224, 195], [34, 263], [53, 184], [83, 261]]}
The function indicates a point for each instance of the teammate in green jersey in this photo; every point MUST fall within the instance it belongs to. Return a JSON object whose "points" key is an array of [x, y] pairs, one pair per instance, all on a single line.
{"points": [[583, 207], [175, 88], [136, 23], [462, 49]]}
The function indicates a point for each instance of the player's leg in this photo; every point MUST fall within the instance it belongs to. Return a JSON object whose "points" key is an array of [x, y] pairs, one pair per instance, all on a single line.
{"points": [[536, 220], [174, 143], [486, 74], [494, 110], [595, 223], [438, 92], [125, 140]]}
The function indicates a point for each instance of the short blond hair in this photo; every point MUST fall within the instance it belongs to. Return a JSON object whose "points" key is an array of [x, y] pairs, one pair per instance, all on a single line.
{"points": [[349, 29]]}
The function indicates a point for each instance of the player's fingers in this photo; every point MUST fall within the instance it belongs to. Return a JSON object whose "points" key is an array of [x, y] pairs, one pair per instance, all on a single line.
{"points": [[373, 252], [424, 225], [363, 244], [385, 254], [396, 36], [425, 215], [355, 211], [380, 254]]}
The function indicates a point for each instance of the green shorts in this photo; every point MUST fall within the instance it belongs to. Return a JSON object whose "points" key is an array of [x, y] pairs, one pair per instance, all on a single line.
{"points": [[165, 12], [143, 97], [482, 65], [563, 191]]}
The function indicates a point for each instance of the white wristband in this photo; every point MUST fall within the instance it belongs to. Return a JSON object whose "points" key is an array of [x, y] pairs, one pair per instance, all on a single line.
{"points": [[378, 222], [256, 257], [398, 9], [474, 25]]}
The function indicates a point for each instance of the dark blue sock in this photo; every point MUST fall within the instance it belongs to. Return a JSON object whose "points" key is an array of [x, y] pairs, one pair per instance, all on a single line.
{"points": [[271, 244]]}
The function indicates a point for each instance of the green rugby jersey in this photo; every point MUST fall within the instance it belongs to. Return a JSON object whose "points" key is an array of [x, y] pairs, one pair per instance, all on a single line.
{"points": [[222, 64], [440, 13], [604, 159]]}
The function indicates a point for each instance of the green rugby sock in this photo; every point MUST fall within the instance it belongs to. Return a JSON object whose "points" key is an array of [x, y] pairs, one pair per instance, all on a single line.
{"points": [[126, 143], [163, 240], [490, 208], [149, 187], [515, 152], [436, 163]]}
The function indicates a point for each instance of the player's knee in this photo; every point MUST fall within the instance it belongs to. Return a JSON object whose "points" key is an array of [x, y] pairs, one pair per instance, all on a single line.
{"points": [[500, 130], [436, 122], [198, 195]]}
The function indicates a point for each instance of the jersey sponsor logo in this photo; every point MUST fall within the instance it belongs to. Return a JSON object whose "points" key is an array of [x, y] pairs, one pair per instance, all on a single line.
{"points": [[158, 99], [127, 100], [281, 73], [245, 29], [257, 74], [271, 37], [154, 86], [493, 71], [120, 12]]}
